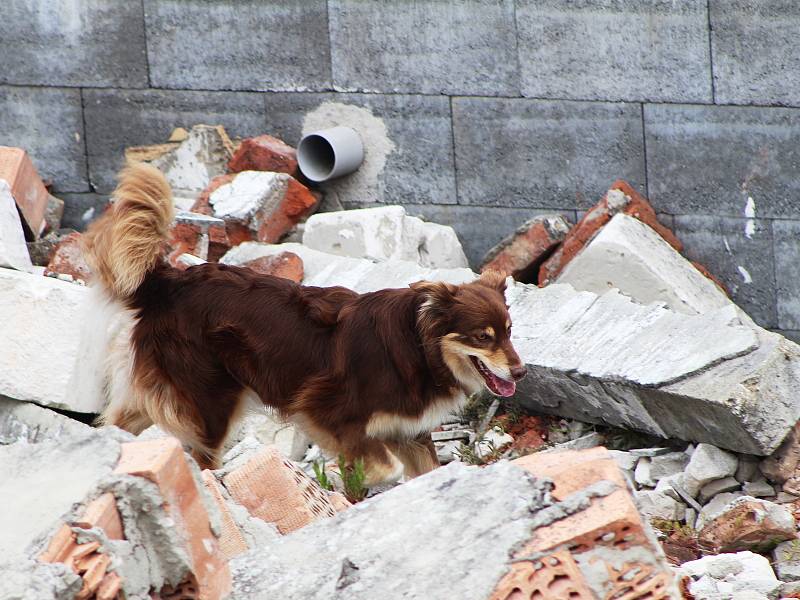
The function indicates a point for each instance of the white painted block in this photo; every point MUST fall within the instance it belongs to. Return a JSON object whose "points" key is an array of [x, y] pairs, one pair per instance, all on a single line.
{"points": [[13, 251]]}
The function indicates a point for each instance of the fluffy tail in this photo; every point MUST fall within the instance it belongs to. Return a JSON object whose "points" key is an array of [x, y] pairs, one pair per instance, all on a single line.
{"points": [[124, 245]]}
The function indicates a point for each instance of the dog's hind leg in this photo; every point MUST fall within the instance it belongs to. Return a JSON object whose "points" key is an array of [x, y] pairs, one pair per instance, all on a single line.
{"points": [[126, 418], [418, 455]]}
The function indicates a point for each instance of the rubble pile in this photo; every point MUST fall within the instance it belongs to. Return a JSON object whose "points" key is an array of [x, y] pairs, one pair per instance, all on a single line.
{"points": [[653, 451]]}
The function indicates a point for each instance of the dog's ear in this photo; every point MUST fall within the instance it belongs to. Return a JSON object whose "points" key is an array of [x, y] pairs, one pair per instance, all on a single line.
{"points": [[493, 279], [437, 294]]}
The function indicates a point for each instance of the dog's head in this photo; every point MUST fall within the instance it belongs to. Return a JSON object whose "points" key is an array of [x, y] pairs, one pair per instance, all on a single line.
{"points": [[472, 326]]}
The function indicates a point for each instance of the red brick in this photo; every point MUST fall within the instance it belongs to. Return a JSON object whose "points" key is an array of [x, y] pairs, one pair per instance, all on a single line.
{"points": [[68, 259], [202, 204], [521, 254], [297, 204], [264, 153], [231, 541], [286, 264], [593, 221], [163, 462], [26, 186]]}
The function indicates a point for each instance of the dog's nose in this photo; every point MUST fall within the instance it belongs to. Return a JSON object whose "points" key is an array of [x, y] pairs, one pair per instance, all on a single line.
{"points": [[518, 372]]}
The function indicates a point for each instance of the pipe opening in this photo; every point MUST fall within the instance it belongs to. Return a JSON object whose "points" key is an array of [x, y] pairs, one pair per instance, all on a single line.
{"points": [[317, 157]]}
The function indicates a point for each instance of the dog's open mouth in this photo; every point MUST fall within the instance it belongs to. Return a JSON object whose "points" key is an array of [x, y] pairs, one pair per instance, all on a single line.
{"points": [[497, 385]]}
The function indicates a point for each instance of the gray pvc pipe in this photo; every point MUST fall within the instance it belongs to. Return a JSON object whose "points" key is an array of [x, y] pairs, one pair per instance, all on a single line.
{"points": [[330, 153]]}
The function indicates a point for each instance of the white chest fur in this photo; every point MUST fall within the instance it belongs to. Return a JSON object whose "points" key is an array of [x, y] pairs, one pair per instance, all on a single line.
{"points": [[384, 425]]}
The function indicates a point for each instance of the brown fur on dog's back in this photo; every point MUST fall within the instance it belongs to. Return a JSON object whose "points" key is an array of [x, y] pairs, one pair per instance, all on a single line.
{"points": [[125, 243]]}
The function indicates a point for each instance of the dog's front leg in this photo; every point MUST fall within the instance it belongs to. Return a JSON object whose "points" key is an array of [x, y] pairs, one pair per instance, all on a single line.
{"points": [[418, 455]]}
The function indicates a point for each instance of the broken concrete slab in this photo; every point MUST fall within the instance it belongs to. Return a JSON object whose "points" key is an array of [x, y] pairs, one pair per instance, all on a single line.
{"points": [[608, 359], [191, 166], [384, 233], [13, 250], [24, 421], [521, 254], [268, 429], [628, 255], [49, 355]]}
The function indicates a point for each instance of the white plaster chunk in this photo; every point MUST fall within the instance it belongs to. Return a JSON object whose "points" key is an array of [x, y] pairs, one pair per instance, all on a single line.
{"points": [[384, 233], [13, 251], [732, 575], [249, 191]]}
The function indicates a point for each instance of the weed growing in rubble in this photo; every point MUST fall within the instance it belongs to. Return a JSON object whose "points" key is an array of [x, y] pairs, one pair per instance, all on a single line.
{"points": [[468, 454], [476, 407], [353, 479], [321, 475]]}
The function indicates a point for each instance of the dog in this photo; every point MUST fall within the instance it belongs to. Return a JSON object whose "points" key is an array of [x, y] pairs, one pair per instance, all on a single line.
{"points": [[365, 375]]}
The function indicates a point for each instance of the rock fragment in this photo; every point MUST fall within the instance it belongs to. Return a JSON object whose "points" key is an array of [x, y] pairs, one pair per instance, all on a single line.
{"points": [[749, 523], [707, 464]]}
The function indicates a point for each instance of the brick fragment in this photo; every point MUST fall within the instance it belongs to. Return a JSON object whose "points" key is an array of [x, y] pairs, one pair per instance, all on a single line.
{"points": [[634, 205], [585, 554], [68, 259], [286, 264], [27, 188], [749, 524], [264, 153], [162, 461], [521, 254], [274, 490], [231, 542]]}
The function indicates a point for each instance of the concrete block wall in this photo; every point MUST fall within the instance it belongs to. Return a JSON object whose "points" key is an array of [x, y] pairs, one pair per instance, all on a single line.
{"points": [[498, 109]]}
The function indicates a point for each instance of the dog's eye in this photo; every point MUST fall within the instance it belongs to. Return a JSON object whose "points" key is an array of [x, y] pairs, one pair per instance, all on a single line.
{"points": [[483, 336]]}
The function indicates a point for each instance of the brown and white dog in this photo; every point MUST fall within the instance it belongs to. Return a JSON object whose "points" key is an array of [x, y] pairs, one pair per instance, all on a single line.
{"points": [[365, 375]]}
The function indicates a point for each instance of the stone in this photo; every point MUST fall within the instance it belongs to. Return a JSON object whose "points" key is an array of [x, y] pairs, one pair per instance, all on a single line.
{"points": [[781, 465], [425, 48], [698, 157], [789, 589], [384, 233], [22, 181], [13, 251], [656, 504], [286, 265], [719, 486], [759, 488], [739, 251], [206, 53], [558, 57], [706, 464], [690, 517], [269, 204], [68, 259], [748, 523], [191, 166], [625, 460], [53, 360], [747, 469], [448, 451], [60, 155], [715, 506], [590, 440], [642, 474], [620, 198], [553, 154], [586, 507], [267, 428], [274, 490], [785, 498], [53, 214], [491, 442], [76, 44], [786, 560], [665, 465], [649, 452], [24, 421], [729, 574], [521, 254], [628, 255], [264, 153]]}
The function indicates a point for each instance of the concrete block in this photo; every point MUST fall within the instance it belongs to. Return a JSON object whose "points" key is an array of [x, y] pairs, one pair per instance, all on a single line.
{"points": [[274, 490], [657, 504], [13, 251], [728, 574], [738, 251], [752, 60], [116, 119], [427, 47], [787, 272], [223, 46], [384, 233], [615, 50], [47, 354], [598, 383], [82, 209], [716, 506], [712, 159], [24, 421], [48, 124], [271, 431], [760, 488], [480, 228], [665, 465], [74, 43], [626, 254], [544, 154]]}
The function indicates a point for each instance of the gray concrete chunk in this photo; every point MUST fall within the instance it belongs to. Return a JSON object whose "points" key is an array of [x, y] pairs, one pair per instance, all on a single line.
{"points": [[612, 50], [425, 47], [707, 464], [787, 273], [544, 154], [719, 486], [245, 45], [74, 43]]}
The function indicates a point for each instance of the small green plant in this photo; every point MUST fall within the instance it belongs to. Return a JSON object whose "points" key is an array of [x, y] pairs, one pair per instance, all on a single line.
{"points": [[321, 475], [792, 553], [353, 477], [468, 453]]}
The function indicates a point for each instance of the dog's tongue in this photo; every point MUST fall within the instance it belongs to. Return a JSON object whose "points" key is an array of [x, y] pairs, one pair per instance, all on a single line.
{"points": [[502, 387]]}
